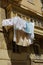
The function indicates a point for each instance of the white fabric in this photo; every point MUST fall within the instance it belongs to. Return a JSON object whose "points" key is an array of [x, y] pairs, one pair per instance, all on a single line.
{"points": [[15, 19], [19, 23], [7, 22], [14, 38], [20, 42], [30, 42], [32, 35], [25, 42]]}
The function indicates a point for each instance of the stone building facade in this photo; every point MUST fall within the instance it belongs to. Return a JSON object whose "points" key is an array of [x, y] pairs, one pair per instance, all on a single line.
{"points": [[29, 10]]}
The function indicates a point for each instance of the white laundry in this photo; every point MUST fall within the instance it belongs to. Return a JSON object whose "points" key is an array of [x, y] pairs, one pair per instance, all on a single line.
{"points": [[14, 38], [15, 19], [22, 24], [32, 35], [20, 42], [25, 42], [30, 42], [19, 23], [7, 22]]}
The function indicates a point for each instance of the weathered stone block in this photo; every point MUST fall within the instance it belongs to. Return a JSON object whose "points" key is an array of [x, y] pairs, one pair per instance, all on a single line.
{"points": [[2, 42], [2, 16], [5, 54], [5, 62]]}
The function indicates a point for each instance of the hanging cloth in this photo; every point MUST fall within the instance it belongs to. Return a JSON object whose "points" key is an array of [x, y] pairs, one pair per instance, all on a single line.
{"points": [[30, 29], [20, 24]]}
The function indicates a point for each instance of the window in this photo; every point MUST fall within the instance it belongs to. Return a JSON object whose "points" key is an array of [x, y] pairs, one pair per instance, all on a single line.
{"points": [[36, 48]]}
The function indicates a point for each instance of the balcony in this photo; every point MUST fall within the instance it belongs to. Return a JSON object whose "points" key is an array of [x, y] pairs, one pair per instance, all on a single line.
{"points": [[38, 27], [39, 24]]}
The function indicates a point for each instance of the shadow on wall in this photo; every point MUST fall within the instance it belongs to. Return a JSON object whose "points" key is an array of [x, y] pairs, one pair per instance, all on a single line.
{"points": [[20, 50], [8, 44]]}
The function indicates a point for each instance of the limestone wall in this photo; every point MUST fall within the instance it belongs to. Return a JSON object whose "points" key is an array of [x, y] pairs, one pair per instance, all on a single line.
{"points": [[34, 5]]}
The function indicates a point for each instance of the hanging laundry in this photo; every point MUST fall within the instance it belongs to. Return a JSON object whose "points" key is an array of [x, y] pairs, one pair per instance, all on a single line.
{"points": [[14, 38], [30, 42], [30, 29], [20, 42], [32, 35], [25, 42], [7, 22], [15, 19], [19, 23]]}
